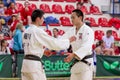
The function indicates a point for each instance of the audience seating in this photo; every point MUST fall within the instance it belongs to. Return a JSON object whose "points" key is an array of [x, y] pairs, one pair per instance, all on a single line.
{"points": [[65, 21], [19, 6], [33, 0], [95, 10], [117, 26], [58, 0], [48, 32], [61, 32], [69, 8], [114, 33], [45, 8], [70, 0], [52, 24], [103, 22], [98, 34], [78, 0], [33, 6], [115, 22], [46, 0], [92, 22], [86, 1], [56, 8], [56, 24], [84, 9]]}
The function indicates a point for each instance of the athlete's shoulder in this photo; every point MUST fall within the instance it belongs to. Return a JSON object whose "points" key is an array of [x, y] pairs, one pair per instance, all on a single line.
{"points": [[87, 28]]}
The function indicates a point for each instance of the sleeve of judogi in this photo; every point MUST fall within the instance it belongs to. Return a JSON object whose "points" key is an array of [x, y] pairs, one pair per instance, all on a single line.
{"points": [[70, 32], [51, 42], [65, 36], [86, 46]]}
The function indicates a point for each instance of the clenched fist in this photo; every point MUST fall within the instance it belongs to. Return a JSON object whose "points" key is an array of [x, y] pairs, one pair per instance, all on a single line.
{"points": [[47, 53]]}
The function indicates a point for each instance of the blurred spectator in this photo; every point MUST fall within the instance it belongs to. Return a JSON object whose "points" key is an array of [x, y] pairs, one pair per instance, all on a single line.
{"points": [[2, 21], [1, 36], [12, 9], [56, 35], [17, 46], [2, 13], [1, 1], [85, 1], [15, 19], [4, 28], [79, 5], [4, 47], [99, 47], [7, 2], [82, 8], [101, 50], [108, 39], [26, 13]]}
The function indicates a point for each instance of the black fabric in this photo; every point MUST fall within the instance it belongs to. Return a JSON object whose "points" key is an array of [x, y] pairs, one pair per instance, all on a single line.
{"points": [[32, 57], [88, 56], [83, 60], [70, 49]]}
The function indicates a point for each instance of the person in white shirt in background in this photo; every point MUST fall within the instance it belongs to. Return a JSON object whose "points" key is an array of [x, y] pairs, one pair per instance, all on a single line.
{"points": [[108, 39], [34, 39], [82, 47]]}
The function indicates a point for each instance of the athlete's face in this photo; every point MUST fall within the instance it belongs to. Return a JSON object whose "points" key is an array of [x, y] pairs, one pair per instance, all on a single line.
{"points": [[75, 19], [41, 20]]}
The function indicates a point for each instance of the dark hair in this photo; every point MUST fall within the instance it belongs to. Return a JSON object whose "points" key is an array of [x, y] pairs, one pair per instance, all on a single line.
{"points": [[2, 41], [109, 31], [10, 4], [79, 3], [55, 29], [79, 13], [1, 3], [99, 43], [36, 13]]}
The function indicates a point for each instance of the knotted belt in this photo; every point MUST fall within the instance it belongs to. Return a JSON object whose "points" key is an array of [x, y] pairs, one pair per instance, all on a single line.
{"points": [[83, 60], [32, 57]]}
